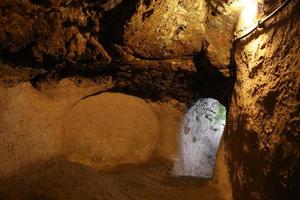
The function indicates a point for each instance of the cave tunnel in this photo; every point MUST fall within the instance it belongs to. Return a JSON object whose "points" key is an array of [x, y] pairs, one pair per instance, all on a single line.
{"points": [[149, 99], [200, 136]]}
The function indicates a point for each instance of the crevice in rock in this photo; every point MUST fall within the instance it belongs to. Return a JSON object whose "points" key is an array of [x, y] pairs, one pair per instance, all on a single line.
{"points": [[211, 83], [114, 21]]}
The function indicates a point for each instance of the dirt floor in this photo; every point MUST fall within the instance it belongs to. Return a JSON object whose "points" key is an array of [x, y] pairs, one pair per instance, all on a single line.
{"points": [[61, 180]]}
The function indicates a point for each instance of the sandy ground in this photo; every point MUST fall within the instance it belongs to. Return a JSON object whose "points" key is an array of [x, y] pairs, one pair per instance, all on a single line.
{"points": [[61, 180]]}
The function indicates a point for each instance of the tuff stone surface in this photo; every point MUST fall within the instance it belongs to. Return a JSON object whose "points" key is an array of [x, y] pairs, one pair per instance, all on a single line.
{"points": [[91, 34], [263, 130], [75, 122], [167, 29], [156, 50], [110, 129]]}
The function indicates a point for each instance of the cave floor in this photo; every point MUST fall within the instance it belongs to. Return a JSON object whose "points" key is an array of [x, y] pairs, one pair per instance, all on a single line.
{"points": [[61, 180]]}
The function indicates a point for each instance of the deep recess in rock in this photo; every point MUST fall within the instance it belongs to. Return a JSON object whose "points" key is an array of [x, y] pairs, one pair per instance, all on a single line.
{"points": [[59, 57]]}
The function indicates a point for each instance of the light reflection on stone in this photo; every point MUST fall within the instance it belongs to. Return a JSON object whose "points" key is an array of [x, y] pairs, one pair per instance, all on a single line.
{"points": [[200, 137]]}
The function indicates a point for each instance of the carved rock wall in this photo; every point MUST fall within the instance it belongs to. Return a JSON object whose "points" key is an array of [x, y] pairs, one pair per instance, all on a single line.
{"points": [[263, 131]]}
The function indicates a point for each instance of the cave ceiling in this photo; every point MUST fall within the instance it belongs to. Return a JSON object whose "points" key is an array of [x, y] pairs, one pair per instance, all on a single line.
{"points": [[165, 36]]}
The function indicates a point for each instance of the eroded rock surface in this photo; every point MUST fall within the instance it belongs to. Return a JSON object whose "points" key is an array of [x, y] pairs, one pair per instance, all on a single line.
{"points": [[167, 29], [90, 34], [30, 123], [77, 123], [170, 115], [110, 129], [263, 137], [158, 50]]}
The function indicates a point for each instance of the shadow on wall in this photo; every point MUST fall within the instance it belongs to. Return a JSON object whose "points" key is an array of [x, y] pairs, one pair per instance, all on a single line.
{"points": [[200, 137]]}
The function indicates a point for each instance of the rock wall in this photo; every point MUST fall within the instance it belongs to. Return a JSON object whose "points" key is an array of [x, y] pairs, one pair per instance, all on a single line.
{"points": [[29, 129], [166, 29], [58, 34], [31, 121], [170, 115], [160, 50], [108, 130], [263, 131], [101, 131], [149, 49]]}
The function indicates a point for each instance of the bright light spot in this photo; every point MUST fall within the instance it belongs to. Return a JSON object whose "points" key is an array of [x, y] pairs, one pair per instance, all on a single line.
{"points": [[200, 137], [249, 12]]}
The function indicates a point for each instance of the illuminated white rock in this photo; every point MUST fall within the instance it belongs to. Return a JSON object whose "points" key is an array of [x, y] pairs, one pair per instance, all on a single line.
{"points": [[200, 137]]}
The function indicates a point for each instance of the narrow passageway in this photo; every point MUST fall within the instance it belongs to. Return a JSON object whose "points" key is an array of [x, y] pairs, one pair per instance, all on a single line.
{"points": [[200, 137], [128, 100]]}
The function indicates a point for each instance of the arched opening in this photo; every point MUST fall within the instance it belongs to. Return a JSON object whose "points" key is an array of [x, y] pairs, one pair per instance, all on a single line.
{"points": [[199, 139]]}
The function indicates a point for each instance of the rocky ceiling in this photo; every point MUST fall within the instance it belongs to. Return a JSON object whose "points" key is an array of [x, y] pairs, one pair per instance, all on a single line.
{"points": [[158, 39]]}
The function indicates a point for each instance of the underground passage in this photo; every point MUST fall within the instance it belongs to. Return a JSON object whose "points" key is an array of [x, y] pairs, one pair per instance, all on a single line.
{"points": [[200, 136], [149, 100]]}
